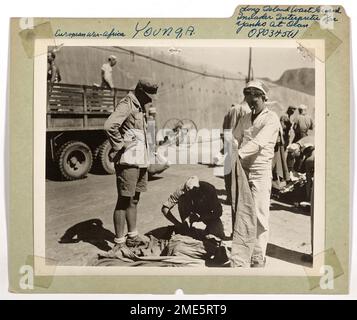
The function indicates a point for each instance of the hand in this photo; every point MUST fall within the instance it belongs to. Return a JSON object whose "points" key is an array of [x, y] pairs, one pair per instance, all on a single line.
{"points": [[211, 236], [114, 155], [194, 217]]}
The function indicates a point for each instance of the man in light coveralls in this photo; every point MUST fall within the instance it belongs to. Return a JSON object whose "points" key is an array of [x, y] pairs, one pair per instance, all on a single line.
{"points": [[256, 135]]}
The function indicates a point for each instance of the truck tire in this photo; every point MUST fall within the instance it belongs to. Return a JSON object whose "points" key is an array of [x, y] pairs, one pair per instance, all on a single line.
{"points": [[74, 160], [101, 158]]}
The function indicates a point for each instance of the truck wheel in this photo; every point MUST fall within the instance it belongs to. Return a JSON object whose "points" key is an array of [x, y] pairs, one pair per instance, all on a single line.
{"points": [[74, 160], [101, 158]]}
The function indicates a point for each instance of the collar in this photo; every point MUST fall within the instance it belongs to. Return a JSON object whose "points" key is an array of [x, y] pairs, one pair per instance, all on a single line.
{"points": [[254, 116], [264, 111], [135, 100]]}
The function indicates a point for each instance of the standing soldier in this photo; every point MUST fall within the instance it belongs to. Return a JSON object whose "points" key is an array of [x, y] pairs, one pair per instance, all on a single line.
{"points": [[126, 130], [107, 70], [286, 124], [302, 124], [256, 136], [53, 72]]}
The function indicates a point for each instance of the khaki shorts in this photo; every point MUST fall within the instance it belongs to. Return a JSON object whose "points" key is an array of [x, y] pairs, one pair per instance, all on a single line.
{"points": [[131, 180]]}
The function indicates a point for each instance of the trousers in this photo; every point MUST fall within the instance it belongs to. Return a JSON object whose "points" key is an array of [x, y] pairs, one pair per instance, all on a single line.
{"points": [[260, 182]]}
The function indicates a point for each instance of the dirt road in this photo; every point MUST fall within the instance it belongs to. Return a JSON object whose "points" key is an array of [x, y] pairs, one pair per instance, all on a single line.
{"points": [[74, 203]]}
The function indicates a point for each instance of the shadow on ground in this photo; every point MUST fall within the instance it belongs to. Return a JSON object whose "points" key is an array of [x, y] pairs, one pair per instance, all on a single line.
{"points": [[277, 206], [288, 255], [90, 231], [154, 178], [163, 233]]}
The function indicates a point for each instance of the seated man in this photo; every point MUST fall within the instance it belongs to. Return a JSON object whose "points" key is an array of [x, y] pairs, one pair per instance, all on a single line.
{"points": [[197, 202]]}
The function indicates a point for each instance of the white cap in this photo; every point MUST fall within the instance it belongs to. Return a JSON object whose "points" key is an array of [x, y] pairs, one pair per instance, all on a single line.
{"points": [[258, 85], [112, 57], [302, 107]]}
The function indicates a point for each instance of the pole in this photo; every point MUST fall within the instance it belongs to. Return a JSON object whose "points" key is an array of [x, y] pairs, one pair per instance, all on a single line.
{"points": [[249, 64]]}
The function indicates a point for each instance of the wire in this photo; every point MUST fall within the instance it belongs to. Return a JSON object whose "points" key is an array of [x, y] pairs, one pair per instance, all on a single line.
{"points": [[204, 74]]}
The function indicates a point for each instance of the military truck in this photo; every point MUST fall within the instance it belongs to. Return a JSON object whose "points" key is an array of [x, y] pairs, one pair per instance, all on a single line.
{"points": [[76, 142]]}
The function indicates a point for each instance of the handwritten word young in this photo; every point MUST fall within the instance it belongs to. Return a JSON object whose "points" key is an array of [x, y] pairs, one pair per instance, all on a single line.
{"points": [[149, 31]]}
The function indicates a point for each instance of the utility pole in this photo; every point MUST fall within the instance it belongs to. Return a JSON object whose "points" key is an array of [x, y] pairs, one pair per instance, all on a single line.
{"points": [[249, 65]]}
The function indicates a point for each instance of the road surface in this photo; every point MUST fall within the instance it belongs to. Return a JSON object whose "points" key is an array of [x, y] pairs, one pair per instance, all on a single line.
{"points": [[76, 202]]}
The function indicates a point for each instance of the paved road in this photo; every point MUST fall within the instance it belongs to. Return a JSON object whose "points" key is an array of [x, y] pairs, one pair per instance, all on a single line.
{"points": [[75, 202]]}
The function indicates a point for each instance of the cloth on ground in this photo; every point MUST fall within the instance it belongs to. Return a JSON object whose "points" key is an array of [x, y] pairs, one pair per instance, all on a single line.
{"points": [[179, 251], [245, 218]]}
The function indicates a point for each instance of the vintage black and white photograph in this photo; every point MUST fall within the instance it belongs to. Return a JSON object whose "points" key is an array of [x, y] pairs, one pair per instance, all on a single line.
{"points": [[180, 154]]}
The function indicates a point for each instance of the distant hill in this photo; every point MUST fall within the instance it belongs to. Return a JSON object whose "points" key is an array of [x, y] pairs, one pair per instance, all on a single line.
{"points": [[302, 79]]}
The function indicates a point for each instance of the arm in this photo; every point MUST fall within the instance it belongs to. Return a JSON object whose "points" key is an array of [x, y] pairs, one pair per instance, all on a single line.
{"points": [[171, 202], [113, 124], [233, 118], [53, 73], [291, 135], [236, 114], [169, 216], [312, 125], [267, 134], [237, 133], [282, 122], [225, 125]]}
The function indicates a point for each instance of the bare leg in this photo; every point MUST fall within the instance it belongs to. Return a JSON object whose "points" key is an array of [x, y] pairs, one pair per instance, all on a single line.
{"points": [[120, 214], [131, 212]]}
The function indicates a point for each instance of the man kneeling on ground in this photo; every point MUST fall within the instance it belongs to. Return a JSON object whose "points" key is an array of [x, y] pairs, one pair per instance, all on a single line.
{"points": [[197, 202]]}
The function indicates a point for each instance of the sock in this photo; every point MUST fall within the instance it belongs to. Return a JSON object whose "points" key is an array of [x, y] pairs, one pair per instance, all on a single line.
{"points": [[133, 234], [119, 240]]}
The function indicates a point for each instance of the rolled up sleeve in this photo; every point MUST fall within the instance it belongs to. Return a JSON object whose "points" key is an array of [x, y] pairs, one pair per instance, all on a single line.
{"points": [[174, 197]]}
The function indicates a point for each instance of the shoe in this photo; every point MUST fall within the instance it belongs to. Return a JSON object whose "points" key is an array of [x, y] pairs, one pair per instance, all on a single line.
{"points": [[258, 263], [118, 246], [136, 241], [120, 250], [304, 204]]}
